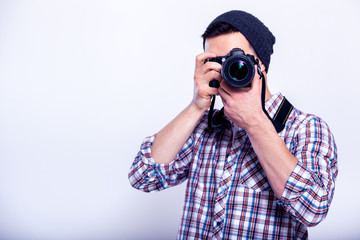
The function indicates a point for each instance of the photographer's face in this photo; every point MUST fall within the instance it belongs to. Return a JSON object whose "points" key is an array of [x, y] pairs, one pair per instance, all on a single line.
{"points": [[223, 44]]}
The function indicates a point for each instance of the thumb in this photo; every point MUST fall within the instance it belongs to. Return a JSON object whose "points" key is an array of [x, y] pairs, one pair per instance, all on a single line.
{"points": [[256, 84]]}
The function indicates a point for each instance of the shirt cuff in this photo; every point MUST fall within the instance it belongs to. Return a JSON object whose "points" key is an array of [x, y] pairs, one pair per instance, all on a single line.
{"points": [[160, 170], [300, 181]]}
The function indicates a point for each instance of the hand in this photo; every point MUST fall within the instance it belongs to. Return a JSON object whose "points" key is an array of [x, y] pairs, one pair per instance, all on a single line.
{"points": [[204, 73], [243, 105]]}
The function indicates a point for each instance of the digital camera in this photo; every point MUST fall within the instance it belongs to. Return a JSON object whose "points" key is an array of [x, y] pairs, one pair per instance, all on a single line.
{"points": [[238, 69]]}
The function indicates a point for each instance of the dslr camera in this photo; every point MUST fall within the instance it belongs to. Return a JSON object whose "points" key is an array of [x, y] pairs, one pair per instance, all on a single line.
{"points": [[238, 69]]}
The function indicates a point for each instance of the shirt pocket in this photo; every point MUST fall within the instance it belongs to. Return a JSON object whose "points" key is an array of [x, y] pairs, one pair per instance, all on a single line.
{"points": [[252, 175]]}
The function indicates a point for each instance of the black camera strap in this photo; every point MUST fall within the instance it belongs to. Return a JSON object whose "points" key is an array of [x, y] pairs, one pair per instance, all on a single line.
{"points": [[278, 121], [282, 115], [283, 112]]}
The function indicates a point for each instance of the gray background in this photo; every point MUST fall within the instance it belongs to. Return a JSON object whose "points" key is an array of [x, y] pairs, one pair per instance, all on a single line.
{"points": [[83, 82]]}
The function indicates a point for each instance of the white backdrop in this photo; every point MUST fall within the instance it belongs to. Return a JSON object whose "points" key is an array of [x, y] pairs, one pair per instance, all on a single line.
{"points": [[83, 82]]}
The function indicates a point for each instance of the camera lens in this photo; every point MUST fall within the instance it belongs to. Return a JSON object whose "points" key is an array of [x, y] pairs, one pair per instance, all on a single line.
{"points": [[238, 70]]}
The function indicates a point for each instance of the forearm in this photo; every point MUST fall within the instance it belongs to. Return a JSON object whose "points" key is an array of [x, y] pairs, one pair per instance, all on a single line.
{"points": [[173, 136], [275, 158]]}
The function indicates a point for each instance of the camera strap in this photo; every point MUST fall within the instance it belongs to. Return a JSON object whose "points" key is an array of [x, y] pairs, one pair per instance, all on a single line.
{"points": [[283, 112], [278, 121]]}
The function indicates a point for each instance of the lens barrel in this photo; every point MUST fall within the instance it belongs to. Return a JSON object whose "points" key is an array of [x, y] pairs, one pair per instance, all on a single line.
{"points": [[238, 70]]}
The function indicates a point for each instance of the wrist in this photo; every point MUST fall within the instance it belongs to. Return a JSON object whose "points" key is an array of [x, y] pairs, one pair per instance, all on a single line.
{"points": [[199, 106], [260, 125], [195, 109]]}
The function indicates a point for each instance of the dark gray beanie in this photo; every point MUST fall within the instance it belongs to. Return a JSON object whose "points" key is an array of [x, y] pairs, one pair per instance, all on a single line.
{"points": [[258, 35]]}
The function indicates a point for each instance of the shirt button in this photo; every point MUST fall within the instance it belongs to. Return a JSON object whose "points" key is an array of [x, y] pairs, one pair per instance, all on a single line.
{"points": [[217, 224], [280, 203]]}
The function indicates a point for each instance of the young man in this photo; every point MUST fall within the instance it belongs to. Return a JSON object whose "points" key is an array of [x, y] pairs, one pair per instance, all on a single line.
{"points": [[246, 178]]}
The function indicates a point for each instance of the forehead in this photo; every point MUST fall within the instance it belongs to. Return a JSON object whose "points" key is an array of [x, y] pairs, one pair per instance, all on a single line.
{"points": [[222, 44]]}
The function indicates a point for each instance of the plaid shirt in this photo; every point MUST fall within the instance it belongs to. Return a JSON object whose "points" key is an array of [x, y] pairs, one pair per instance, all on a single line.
{"points": [[228, 195]]}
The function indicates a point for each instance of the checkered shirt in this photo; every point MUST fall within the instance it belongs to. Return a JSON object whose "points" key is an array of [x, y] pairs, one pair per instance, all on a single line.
{"points": [[228, 195]]}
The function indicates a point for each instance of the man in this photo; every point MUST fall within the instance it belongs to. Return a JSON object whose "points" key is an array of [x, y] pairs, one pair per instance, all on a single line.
{"points": [[246, 177]]}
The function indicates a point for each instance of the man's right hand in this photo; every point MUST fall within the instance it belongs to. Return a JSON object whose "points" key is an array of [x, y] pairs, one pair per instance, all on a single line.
{"points": [[169, 141], [204, 73]]}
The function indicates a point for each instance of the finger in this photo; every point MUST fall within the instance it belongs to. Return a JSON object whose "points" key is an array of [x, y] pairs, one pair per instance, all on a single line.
{"points": [[203, 82], [203, 75], [224, 94], [227, 88], [224, 102], [212, 75], [256, 83], [213, 66], [212, 91], [201, 57], [202, 68]]}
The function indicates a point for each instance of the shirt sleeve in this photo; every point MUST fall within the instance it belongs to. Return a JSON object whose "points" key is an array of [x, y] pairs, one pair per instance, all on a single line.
{"points": [[310, 187], [147, 175]]}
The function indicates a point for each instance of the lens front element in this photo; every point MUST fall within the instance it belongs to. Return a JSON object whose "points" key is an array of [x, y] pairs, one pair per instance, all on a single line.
{"points": [[238, 70]]}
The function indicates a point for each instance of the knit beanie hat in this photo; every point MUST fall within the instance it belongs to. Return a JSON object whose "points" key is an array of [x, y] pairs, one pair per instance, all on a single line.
{"points": [[258, 35]]}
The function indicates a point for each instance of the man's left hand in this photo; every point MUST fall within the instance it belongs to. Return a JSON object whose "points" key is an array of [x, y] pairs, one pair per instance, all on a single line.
{"points": [[243, 105]]}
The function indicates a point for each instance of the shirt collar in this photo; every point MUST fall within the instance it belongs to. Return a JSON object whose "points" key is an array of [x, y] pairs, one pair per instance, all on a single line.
{"points": [[273, 104]]}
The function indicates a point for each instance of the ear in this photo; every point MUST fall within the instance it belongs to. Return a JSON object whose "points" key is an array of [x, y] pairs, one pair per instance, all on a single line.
{"points": [[262, 67]]}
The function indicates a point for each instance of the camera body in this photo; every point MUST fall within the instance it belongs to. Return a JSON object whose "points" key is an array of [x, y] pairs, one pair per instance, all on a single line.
{"points": [[238, 69]]}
